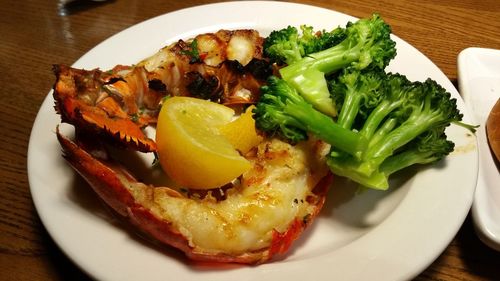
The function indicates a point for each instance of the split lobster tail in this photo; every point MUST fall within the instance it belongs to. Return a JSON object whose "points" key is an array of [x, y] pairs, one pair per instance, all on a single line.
{"points": [[242, 228]]}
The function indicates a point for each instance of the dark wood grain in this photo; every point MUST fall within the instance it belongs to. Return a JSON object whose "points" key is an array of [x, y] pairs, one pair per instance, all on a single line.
{"points": [[34, 36]]}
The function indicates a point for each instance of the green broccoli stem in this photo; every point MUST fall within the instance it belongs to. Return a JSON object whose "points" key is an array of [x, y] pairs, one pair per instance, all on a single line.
{"points": [[348, 167], [405, 159], [308, 75], [470, 127], [386, 127], [385, 147], [326, 61], [282, 110], [350, 110], [429, 147], [379, 179], [324, 128], [371, 126], [313, 88]]}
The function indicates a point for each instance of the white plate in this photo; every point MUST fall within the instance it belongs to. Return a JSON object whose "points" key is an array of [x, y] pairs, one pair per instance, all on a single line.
{"points": [[392, 235], [479, 81]]}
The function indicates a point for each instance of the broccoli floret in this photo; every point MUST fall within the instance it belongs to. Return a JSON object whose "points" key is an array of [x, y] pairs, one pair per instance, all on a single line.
{"points": [[313, 42], [286, 46], [429, 147], [426, 106], [366, 44], [283, 111], [360, 91], [399, 128], [282, 46]]}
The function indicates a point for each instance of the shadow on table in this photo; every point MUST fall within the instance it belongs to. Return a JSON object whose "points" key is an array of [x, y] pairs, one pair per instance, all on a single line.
{"points": [[479, 259]]}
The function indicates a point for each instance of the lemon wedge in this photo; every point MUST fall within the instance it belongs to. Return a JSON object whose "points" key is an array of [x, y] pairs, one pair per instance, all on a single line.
{"points": [[241, 132], [191, 149]]}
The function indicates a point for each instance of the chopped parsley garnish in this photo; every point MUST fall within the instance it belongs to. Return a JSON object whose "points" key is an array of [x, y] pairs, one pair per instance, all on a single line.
{"points": [[192, 52]]}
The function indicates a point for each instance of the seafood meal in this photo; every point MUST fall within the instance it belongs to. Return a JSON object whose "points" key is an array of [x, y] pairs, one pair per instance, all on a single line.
{"points": [[242, 188], [261, 214]]}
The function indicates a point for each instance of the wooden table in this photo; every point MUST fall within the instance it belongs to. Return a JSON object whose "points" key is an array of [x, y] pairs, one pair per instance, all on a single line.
{"points": [[34, 36]]}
